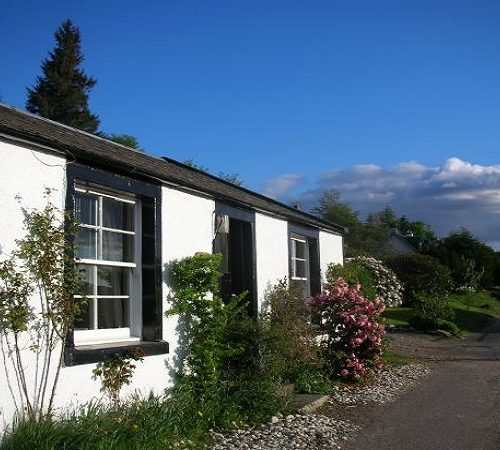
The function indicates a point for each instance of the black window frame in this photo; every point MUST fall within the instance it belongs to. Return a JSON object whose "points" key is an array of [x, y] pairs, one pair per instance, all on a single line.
{"points": [[152, 305]]}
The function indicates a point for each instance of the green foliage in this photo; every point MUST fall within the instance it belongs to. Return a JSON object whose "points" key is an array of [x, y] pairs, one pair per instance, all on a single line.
{"points": [[362, 238], [421, 322], [116, 372], [420, 274], [386, 218], [233, 178], [124, 139], [276, 346], [37, 284], [61, 94], [331, 208], [367, 238], [191, 163], [457, 251], [313, 380], [288, 321], [353, 272], [175, 420], [195, 281], [472, 311], [433, 306]]}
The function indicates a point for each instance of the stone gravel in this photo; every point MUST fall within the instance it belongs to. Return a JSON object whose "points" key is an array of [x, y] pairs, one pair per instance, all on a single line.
{"points": [[319, 432], [387, 385], [293, 432]]}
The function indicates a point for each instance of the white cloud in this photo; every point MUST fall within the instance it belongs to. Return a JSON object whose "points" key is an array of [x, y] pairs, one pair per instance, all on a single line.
{"points": [[456, 194], [282, 186]]}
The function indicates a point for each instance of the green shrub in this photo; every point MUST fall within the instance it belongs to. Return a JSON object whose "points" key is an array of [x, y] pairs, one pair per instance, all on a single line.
{"points": [[206, 316], [433, 312], [433, 306], [353, 272], [292, 337], [312, 380], [425, 324], [420, 274], [278, 344]]}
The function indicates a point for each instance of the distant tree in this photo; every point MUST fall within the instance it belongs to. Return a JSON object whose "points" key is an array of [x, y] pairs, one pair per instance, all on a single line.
{"points": [[362, 238], [124, 139], [367, 238], [62, 93], [191, 163], [460, 248], [424, 233], [386, 218], [331, 208], [403, 224], [233, 178]]}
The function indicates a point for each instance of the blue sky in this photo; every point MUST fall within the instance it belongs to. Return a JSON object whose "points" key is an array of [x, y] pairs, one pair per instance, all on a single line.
{"points": [[295, 95]]}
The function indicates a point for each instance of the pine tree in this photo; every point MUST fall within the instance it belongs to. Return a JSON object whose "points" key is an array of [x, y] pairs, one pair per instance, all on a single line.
{"points": [[61, 94]]}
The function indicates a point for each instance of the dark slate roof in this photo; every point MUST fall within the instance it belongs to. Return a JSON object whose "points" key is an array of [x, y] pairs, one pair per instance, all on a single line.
{"points": [[92, 149]]}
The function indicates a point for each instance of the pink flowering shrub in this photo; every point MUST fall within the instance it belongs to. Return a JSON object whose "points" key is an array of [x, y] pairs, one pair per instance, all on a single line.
{"points": [[352, 328]]}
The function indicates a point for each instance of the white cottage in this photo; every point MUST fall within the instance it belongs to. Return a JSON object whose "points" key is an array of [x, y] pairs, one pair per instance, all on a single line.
{"points": [[139, 212]]}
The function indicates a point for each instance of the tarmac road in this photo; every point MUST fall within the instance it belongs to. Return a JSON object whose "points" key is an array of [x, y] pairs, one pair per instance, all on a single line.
{"points": [[457, 407]]}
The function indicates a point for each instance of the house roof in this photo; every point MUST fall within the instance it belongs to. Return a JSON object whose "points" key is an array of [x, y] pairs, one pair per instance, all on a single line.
{"points": [[89, 148]]}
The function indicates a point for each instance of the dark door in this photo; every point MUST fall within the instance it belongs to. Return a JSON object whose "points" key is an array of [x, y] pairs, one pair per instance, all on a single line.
{"points": [[235, 243], [241, 263]]}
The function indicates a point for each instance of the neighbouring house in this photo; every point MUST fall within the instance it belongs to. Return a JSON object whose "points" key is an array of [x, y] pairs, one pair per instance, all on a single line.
{"points": [[399, 244], [138, 213]]}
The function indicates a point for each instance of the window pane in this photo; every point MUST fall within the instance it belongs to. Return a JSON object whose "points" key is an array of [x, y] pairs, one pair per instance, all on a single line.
{"points": [[117, 246], [112, 281], [85, 244], [300, 249], [300, 269], [84, 321], [118, 215], [113, 312], [86, 208], [87, 274]]}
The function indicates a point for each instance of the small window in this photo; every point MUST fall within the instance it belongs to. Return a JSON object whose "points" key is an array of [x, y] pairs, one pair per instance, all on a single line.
{"points": [[299, 259], [107, 252]]}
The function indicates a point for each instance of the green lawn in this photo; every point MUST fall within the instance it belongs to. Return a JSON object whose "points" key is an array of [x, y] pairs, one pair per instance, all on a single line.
{"points": [[473, 311]]}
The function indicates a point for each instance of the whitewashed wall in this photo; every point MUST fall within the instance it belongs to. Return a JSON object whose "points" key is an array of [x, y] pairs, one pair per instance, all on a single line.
{"points": [[271, 236], [25, 174], [187, 228], [330, 251]]}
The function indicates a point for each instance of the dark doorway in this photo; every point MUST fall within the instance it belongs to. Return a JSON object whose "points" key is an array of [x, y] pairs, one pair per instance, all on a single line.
{"points": [[235, 242]]}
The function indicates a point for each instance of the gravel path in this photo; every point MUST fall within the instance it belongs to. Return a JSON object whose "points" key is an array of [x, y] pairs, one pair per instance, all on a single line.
{"points": [[319, 431], [386, 387]]}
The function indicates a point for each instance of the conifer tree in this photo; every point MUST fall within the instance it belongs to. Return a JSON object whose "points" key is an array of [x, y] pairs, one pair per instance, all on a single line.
{"points": [[61, 94]]}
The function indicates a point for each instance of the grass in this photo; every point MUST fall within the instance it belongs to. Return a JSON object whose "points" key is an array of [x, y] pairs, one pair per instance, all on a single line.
{"points": [[399, 315], [179, 421], [392, 359], [473, 311]]}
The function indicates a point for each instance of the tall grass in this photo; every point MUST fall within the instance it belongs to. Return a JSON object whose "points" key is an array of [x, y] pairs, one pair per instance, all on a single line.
{"points": [[175, 420]]}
